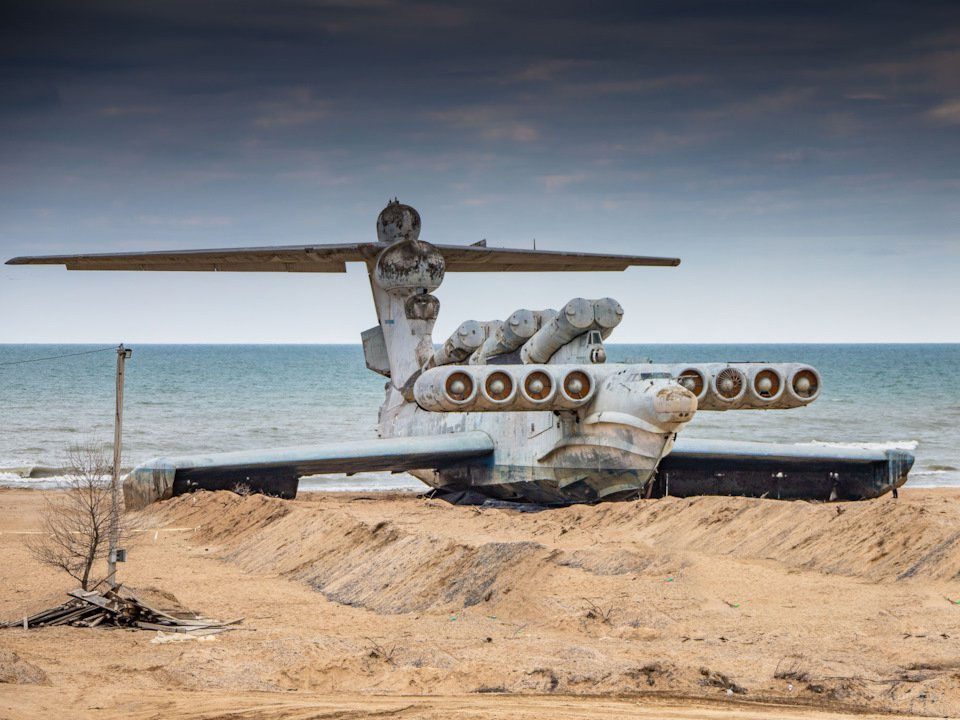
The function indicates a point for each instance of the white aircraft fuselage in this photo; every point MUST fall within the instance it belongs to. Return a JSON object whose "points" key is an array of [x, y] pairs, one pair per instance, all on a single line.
{"points": [[521, 409]]}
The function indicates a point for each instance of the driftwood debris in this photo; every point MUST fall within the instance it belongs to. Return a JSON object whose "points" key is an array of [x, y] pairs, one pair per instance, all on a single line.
{"points": [[119, 608]]}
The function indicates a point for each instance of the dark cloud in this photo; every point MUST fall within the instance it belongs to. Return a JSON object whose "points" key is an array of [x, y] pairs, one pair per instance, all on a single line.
{"points": [[122, 121]]}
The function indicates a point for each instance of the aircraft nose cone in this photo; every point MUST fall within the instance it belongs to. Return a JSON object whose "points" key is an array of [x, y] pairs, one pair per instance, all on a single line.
{"points": [[675, 402]]}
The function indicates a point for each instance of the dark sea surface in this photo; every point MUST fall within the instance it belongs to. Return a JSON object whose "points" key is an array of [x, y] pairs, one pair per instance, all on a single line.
{"points": [[201, 398]]}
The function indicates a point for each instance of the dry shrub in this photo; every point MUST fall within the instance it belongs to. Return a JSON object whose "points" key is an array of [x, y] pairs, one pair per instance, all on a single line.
{"points": [[76, 521]]}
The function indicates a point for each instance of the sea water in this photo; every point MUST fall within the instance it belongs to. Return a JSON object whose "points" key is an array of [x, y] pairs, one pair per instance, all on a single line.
{"points": [[185, 399]]}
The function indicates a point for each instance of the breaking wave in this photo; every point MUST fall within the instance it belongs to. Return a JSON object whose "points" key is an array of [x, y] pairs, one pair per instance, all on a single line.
{"points": [[891, 445]]}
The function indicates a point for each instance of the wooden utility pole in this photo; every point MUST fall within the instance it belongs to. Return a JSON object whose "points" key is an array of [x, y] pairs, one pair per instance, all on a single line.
{"points": [[122, 354]]}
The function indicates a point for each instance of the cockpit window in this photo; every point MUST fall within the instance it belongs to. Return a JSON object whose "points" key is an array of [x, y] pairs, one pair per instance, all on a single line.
{"points": [[594, 338], [634, 376]]}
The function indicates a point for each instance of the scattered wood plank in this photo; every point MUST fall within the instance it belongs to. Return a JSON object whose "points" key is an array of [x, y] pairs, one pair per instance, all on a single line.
{"points": [[119, 608]]}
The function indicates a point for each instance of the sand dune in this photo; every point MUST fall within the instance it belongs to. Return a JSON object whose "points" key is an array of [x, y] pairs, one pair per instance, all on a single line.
{"points": [[645, 607]]}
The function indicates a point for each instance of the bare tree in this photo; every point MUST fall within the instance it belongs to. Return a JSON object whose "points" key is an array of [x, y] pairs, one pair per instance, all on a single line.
{"points": [[77, 521]]}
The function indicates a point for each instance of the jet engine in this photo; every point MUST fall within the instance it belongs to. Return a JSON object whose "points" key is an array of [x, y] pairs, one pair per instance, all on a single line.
{"points": [[741, 386], [470, 388]]}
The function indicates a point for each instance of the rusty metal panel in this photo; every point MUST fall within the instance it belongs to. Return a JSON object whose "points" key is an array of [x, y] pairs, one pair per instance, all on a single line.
{"points": [[375, 350]]}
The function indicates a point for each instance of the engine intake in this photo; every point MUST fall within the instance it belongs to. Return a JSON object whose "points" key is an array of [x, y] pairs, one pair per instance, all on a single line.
{"points": [[747, 386], [460, 388], [766, 385], [504, 388], [729, 385], [805, 384], [538, 387], [499, 389], [694, 381]]}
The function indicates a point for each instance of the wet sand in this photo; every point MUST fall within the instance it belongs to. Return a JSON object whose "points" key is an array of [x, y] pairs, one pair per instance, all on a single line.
{"points": [[395, 606]]}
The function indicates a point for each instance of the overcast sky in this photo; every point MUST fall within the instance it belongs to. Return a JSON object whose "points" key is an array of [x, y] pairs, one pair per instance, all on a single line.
{"points": [[802, 158]]}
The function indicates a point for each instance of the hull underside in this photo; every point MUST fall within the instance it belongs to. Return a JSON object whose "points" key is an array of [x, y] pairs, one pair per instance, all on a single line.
{"points": [[550, 486], [676, 476], [782, 479]]}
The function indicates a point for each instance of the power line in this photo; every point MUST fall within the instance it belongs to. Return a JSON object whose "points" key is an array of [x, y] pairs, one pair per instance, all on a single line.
{"points": [[58, 357]]}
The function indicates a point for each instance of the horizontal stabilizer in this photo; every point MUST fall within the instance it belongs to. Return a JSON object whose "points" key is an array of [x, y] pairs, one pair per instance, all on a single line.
{"points": [[276, 471], [332, 258]]}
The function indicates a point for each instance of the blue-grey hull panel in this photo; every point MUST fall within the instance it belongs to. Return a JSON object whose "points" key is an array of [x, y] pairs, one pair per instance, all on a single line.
{"points": [[788, 472], [463, 468], [694, 467], [277, 471]]}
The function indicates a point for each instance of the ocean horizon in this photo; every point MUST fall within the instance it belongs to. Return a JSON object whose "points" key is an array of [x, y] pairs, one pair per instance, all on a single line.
{"points": [[194, 398]]}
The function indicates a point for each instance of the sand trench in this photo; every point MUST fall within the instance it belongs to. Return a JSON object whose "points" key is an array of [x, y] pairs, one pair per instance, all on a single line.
{"points": [[724, 601]]}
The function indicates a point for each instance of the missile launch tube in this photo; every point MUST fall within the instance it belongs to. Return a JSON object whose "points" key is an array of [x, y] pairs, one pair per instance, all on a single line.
{"points": [[511, 333], [457, 348], [607, 313], [576, 318]]}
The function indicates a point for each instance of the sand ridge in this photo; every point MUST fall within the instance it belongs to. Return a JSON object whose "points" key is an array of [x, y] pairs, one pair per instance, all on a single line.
{"points": [[834, 607]]}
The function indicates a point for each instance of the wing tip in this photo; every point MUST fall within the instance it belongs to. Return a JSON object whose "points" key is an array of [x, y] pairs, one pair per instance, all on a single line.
{"points": [[655, 262]]}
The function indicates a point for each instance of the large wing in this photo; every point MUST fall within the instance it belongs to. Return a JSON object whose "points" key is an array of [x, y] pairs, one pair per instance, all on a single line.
{"points": [[290, 258], [276, 471], [780, 470], [331, 258]]}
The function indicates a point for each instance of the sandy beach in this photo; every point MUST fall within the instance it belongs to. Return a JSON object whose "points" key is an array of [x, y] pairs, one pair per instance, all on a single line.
{"points": [[396, 606]]}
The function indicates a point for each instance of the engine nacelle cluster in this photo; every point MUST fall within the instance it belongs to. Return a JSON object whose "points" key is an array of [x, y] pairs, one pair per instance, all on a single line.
{"points": [[716, 386], [736, 386], [471, 388]]}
